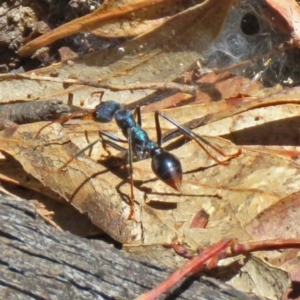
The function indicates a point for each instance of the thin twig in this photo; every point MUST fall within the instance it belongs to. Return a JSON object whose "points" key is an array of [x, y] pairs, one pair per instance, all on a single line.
{"points": [[160, 86]]}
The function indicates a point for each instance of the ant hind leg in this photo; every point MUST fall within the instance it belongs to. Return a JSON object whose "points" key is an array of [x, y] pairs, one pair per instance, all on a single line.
{"points": [[197, 138]]}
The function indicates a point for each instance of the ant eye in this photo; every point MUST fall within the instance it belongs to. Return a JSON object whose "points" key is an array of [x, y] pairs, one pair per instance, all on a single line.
{"points": [[250, 24]]}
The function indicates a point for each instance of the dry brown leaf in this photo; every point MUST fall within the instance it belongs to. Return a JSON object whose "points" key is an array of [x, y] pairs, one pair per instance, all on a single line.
{"points": [[232, 195], [116, 19], [141, 21], [259, 277], [211, 188], [290, 11], [79, 185], [213, 87], [237, 197], [158, 56], [280, 221]]}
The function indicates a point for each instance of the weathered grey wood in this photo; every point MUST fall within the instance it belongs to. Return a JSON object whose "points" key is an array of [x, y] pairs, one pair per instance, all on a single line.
{"points": [[40, 262], [34, 111]]}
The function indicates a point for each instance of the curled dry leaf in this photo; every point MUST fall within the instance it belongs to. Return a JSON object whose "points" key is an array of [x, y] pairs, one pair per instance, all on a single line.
{"points": [[290, 12], [223, 192], [113, 19], [145, 19], [195, 30], [158, 56], [233, 195], [258, 185], [58, 213], [283, 216], [212, 87], [236, 196], [80, 184]]}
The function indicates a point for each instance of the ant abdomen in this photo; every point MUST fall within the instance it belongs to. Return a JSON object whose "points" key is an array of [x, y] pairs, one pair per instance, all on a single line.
{"points": [[166, 167]]}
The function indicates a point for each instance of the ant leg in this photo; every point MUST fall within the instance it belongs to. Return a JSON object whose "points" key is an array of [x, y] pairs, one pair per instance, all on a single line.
{"points": [[137, 114], [101, 93], [196, 137], [81, 114], [129, 134], [117, 147], [105, 142], [130, 160], [61, 120], [76, 155], [158, 129], [112, 137], [70, 99], [112, 144], [88, 141]]}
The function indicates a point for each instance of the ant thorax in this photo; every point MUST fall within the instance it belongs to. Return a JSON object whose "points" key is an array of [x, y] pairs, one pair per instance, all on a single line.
{"points": [[141, 143]]}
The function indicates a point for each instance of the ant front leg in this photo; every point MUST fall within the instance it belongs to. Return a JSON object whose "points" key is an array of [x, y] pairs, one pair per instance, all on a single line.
{"points": [[77, 155], [111, 143], [130, 162], [130, 159], [114, 145], [196, 137], [89, 146]]}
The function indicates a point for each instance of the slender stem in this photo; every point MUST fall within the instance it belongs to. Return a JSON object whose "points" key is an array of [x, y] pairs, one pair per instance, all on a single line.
{"points": [[194, 265]]}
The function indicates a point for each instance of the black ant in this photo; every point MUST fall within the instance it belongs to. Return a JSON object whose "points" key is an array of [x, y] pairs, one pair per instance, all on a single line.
{"points": [[165, 165]]}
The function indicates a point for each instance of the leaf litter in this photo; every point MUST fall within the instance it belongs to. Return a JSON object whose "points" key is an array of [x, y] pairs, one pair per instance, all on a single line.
{"points": [[243, 199]]}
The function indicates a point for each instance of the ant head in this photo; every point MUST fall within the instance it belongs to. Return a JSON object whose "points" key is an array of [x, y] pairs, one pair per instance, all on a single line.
{"points": [[105, 111]]}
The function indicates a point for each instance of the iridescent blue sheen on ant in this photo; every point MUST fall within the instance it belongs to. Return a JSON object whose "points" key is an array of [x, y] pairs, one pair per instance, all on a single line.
{"points": [[165, 165]]}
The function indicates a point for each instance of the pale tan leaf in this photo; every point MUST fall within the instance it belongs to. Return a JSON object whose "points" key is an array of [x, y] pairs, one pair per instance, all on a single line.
{"points": [[261, 278], [80, 184], [158, 56]]}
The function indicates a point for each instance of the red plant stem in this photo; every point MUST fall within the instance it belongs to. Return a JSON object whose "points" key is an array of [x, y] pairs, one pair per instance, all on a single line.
{"points": [[230, 248], [196, 264], [265, 245]]}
